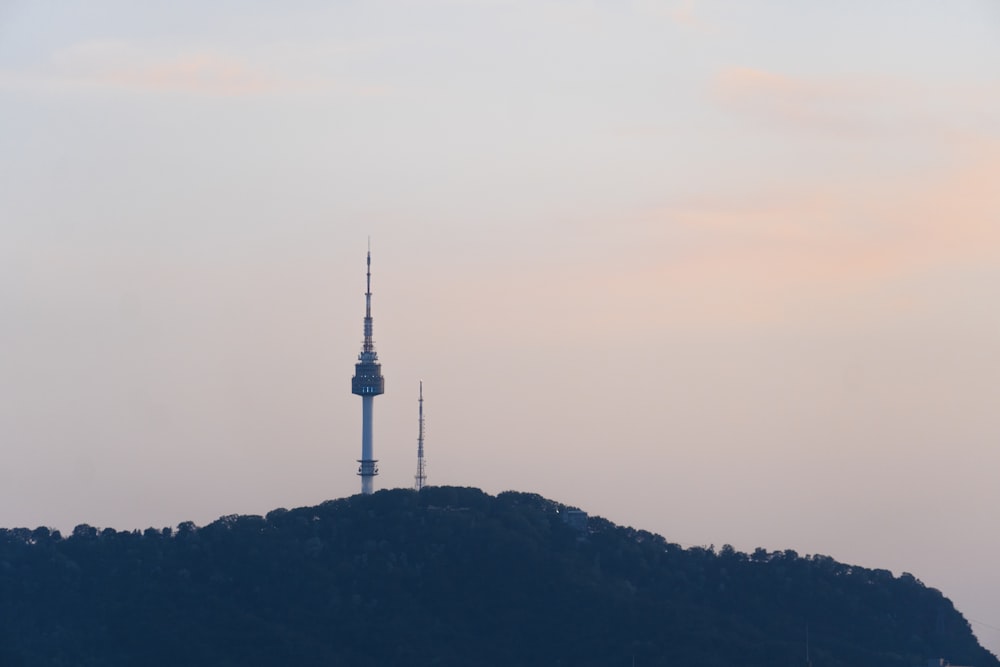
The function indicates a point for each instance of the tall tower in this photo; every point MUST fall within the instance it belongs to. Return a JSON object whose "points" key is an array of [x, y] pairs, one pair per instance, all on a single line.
{"points": [[367, 383], [421, 476]]}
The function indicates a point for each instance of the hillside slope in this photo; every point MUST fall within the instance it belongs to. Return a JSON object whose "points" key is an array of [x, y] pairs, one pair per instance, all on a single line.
{"points": [[450, 576]]}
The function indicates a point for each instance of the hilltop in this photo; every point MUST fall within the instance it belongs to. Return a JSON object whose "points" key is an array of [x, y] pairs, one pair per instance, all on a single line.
{"points": [[450, 576]]}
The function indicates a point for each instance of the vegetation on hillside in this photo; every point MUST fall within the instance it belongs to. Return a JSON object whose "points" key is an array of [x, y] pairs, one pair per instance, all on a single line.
{"points": [[449, 576]]}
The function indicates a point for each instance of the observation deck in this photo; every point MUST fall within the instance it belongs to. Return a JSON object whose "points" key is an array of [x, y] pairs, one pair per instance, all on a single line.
{"points": [[367, 380]]}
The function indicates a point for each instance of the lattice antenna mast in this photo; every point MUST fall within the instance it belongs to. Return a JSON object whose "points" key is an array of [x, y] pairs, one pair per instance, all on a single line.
{"points": [[367, 383], [421, 476]]}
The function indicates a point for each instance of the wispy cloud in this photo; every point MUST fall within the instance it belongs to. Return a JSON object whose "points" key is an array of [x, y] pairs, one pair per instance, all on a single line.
{"points": [[680, 12], [761, 259], [861, 107], [804, 256], [110, 64], [195, 73], [683, 13], [846, 105]]}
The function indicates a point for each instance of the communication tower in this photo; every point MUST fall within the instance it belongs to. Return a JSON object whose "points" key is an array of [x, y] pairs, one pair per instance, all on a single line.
{"points": [[421, 476], [367, 383]]}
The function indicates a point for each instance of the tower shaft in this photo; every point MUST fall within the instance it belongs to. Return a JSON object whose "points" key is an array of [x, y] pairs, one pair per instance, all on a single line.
{"points": [[369, 466], [367, 383]]}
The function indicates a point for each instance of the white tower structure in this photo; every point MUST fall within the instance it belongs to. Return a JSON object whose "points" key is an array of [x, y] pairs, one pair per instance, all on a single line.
{"points": [[367, 383], [421, 476]]}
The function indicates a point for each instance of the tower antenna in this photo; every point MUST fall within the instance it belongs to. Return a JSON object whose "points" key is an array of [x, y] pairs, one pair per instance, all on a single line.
{"points": [[421, 476], [367, 383]]}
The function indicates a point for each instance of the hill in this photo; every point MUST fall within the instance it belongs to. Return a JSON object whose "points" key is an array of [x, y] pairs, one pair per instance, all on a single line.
{"points": [[450, 576]]}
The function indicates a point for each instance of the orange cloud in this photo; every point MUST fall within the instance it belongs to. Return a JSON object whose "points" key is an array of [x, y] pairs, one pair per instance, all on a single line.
{"points": [[762, 260], [845, 105], [122, 65], [196, 73], [202, 73], [684, 13], [681, 12], [799, 257]]}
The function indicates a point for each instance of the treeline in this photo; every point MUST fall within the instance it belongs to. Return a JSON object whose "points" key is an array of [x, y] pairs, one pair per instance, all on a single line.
{"points": [[450, 576]]}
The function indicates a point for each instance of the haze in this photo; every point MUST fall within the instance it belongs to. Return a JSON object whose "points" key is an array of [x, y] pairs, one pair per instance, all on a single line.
{"points": [[728, 272]]}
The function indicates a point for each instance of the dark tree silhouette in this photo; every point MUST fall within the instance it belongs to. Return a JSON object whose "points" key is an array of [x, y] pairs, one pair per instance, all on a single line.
{"points": [[449, 576]]}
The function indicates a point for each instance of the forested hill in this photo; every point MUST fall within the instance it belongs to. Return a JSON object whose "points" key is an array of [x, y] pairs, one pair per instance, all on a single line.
{"points": [[450, 576]]}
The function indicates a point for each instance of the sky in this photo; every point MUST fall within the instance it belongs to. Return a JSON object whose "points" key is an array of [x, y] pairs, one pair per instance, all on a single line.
{"points": [[725, 271]]}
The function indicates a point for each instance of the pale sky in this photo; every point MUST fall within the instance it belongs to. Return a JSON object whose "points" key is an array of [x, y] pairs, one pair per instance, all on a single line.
{"points": [[726, 271]]}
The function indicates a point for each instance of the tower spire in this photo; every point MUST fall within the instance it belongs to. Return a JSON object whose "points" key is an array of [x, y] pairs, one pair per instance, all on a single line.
{"points": [[368, 345], [367, 383], [421, 476]]}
